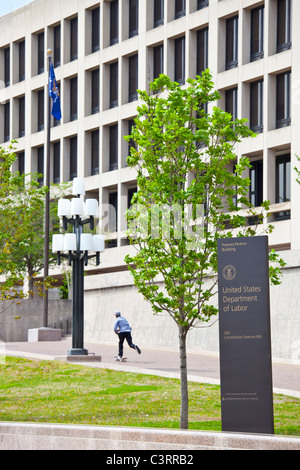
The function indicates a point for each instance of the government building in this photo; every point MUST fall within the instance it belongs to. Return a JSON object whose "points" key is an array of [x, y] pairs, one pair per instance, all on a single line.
{"points": [[102, 52]]}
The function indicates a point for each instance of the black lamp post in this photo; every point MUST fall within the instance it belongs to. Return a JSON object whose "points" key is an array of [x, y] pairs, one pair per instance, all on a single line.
{"points": [[76, 247]]}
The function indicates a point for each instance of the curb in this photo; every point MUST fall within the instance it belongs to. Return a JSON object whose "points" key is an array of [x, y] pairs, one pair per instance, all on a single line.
{"points": [[28, 436]]}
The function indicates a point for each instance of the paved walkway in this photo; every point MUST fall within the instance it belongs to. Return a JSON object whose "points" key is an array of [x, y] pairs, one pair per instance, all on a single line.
{"points": [[201, 367]]}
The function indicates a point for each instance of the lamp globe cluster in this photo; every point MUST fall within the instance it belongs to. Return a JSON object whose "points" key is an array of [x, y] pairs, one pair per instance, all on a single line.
{"points": [[77, 212]]}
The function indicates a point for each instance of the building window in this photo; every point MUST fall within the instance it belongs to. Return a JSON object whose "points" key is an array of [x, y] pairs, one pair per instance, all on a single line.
{"points": [[131, 143], [133, 78], [7, 122], [179, 8], [40, 165], [256, 106], [158, 13], [95, 91], [202, 50], [73, 99], [231, 102], [21, 163], [56, 53], [133, 18], [113, 212], [232, 43], [158, 61], [7, 66], [41, 53], [96, 29], [114, 22], [40, 110], [180, 60], [22, 116], [257, 34], [283, 98], [56, 162], [113, 147], [283, 183], [74, 39], [256, 183], [21, 61], [73, 158], [114, 72], [283, 178], [202, 4], [95, 153], [283, 25], [131, 192]]}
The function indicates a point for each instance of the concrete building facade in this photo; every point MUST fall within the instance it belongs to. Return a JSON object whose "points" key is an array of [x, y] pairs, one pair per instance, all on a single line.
{"points": [[103, 51]]}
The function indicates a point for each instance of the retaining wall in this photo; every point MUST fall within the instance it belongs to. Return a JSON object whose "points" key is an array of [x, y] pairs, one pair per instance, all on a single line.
{"points": [[107, 293], [27, 436], [16, 318]]}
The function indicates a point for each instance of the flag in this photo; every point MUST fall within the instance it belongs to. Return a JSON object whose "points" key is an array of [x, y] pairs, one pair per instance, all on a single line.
{"points": [[54, 94]]}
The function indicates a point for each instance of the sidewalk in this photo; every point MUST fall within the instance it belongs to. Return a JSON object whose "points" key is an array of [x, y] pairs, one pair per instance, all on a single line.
{"points": [[202, 368]]}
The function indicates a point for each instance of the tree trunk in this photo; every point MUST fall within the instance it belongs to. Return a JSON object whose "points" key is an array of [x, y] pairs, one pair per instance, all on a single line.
{"points": [[30, 281], [184, 409]]}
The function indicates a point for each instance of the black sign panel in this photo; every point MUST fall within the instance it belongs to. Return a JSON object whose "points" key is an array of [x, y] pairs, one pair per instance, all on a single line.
{"points": [[245, 339]]}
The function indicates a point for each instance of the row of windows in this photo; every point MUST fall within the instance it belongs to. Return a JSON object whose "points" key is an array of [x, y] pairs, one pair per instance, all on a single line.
{"points": [[38, 43], [69, 100], [282, 103], [231, 41], [110, 137], [68, 149], [283, 36], [256, 116], [282, 181]]}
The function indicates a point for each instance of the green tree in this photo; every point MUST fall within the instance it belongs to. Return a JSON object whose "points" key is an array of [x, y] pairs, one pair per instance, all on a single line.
{"points": [[191, 191], [21, 226]]}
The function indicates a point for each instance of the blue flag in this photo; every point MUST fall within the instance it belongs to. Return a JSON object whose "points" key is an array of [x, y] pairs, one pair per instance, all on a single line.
{"points": [[54, 94]]}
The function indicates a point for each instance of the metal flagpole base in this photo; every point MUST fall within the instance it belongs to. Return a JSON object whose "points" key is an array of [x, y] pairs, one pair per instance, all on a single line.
{"points": [[77, 352]]}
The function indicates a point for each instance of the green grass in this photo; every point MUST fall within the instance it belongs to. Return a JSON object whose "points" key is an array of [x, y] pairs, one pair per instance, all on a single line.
{"points": [[54, 392]]}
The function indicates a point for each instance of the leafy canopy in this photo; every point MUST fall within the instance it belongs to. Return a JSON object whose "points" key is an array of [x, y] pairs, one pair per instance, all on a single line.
{"points": [[21, 226], [191, 191]]}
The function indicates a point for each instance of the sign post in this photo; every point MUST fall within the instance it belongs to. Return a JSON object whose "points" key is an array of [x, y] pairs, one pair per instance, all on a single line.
{"points": [[244, 334]]}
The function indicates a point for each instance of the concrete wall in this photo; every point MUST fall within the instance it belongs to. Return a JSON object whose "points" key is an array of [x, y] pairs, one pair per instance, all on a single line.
{"points": [[29, 436], [149, 331], [18, 317], [115, 291], [109, 292]]}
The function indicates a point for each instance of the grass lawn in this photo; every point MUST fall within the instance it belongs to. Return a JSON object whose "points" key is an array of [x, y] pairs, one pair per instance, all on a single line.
{"points": [[54, 392]]}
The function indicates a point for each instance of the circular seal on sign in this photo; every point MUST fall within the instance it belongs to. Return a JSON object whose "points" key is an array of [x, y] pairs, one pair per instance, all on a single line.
{"points": [[229, 272]]}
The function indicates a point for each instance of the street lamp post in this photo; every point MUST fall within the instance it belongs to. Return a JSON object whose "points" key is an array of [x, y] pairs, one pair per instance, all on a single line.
{"points": [[76, 247]]}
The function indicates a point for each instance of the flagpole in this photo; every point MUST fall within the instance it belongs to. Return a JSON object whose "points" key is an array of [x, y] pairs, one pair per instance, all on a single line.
{"points": [[47, 202]]}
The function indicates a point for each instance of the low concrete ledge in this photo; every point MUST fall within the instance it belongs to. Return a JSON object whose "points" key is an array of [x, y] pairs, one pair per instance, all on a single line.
{"points": [[27, 436], [43, 334], [87, 358]]}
